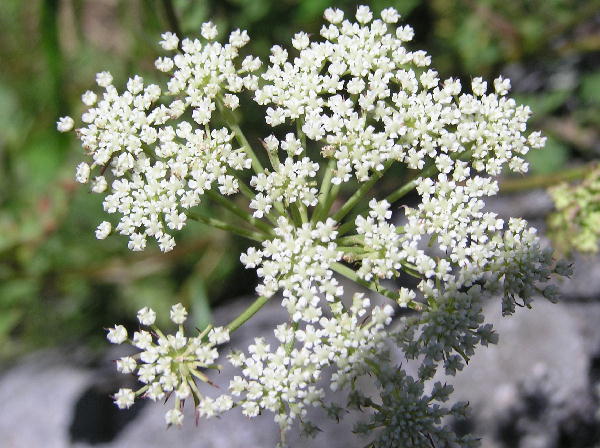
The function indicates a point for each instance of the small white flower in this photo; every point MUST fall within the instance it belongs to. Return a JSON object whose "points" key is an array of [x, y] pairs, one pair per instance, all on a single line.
{"points": [[479, 86], [501, 85], [117, 334], [178, 313], [218, 335], [208, 30], [169, 41], [99, 184], [334, 15], [65, 124], [146, 316], [231, 101], [390, 15], [103, 230], [89, 98], [364, 14], [300, 41], [126, 364], [104, 79], [174, 417], [124, 398], [164, 64]]}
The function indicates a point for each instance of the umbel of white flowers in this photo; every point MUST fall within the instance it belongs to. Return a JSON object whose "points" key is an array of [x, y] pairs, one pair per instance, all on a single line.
{"points": [[346, 107]]}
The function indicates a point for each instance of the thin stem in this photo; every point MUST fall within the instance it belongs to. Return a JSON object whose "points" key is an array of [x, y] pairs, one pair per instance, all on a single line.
{"points": [[274, 159], [324, 191], [234, 208], [242, 140], [247, 313], [303, 213], [296, 214], [354, 250], [409, 186], [545, 180], [358, 194], [373, 286], [213, 222], [301, 135], [347, 226], [331, 195], [427, 172]]}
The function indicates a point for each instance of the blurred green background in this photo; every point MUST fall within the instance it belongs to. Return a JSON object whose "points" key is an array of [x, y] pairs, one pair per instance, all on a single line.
{"points": [[59, 285]]}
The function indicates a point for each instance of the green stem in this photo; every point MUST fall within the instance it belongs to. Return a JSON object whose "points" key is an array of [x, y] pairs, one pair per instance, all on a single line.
{"points": [[296, 214], [347, 226], [373, 286], [324, 191], [358, 194], [241, 138], [213, 222], [408, 187], [234, 208], [546, 180], [303, 213], [331, 195], [301, 135], [247, 313]]}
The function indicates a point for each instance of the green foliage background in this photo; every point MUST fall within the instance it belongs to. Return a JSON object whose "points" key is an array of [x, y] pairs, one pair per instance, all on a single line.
{"points": [[58, 285]]}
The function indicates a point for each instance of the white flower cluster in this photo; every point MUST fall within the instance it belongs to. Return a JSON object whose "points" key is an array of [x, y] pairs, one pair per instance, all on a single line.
{"points": [[159, 169], [289, 184], [297, 261], [285, 381], [366, 102], [168, 364], [371, 100], [389, 251]]}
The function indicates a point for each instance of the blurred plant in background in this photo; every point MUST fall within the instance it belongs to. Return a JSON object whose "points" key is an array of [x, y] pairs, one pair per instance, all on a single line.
{"points": [[57, 283], [576, 222]]}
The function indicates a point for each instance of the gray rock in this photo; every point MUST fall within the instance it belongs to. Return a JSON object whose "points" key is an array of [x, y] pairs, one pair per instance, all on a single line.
{"points": [[36, 401], [534, 386]]}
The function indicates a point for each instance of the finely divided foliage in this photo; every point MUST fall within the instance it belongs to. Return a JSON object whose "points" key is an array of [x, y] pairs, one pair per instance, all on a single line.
{"points": [[358, 102]]}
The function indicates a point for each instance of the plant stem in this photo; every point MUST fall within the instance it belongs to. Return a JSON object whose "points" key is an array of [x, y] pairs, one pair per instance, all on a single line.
{"points": [[373, 286], [213, 222], [409, 186], [247, 313], [358, 194], [301, 135], [346, 227], [545, 180], [324, 191], [427, 172], [241, 138], [234, 208], [331, 195]]}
